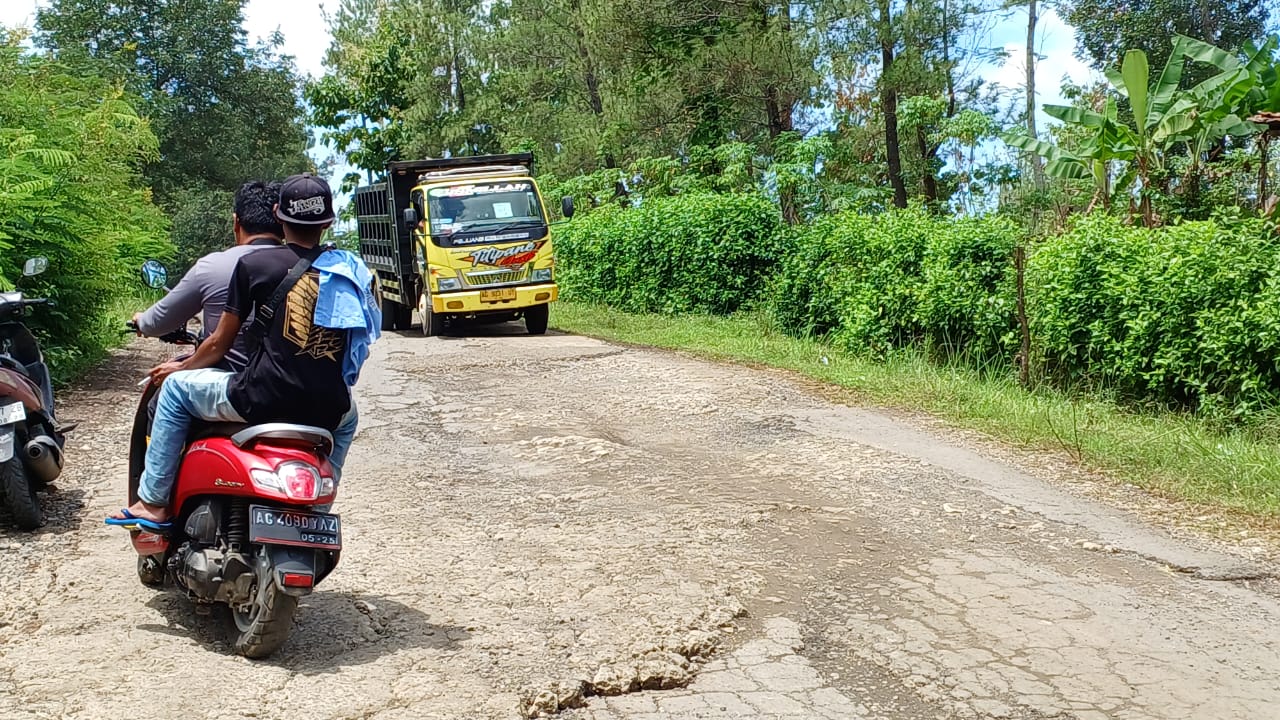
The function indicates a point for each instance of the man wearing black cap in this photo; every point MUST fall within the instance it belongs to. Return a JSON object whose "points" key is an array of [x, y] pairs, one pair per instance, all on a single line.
{"points": [[295, 371]]}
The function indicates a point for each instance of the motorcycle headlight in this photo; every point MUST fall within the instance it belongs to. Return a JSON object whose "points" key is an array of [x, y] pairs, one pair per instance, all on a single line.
{"points": [[543, 275], [447, 284]]}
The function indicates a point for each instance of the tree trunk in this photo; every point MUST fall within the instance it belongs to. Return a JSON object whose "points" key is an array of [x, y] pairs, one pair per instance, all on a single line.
{"points": [[927, 154], [1037, 163], [778, 107], [778, 112], [1264, 149], [889, 104], [1023, 360], [946, 58], [591, 80]]}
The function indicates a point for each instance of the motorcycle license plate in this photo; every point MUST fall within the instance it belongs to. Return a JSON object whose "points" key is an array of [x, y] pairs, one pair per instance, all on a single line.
{"points": [[277, 526], [498, 295]]}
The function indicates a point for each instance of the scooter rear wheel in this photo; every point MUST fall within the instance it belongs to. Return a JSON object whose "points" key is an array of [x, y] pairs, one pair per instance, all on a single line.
{"points": [[20, 495], [264, 626]]}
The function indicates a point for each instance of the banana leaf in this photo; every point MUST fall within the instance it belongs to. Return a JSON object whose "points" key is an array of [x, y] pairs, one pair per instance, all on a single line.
{"points": [[1074, 115], [1166, 88], [1022, 141], [1203, 52], [1066, 169], [1136, 73]]}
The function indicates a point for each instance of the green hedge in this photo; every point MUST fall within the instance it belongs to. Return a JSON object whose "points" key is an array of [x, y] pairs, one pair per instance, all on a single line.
{"points": [[1187, 315], [703, 253], [879, 282]]}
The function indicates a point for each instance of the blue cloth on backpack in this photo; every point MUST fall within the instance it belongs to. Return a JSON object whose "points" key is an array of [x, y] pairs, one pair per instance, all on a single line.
{"points": [[346, 302]]}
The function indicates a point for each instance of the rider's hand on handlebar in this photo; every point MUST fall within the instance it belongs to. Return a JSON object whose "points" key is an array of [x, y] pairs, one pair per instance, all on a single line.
{"points": [[133, 325], [160, 372]]}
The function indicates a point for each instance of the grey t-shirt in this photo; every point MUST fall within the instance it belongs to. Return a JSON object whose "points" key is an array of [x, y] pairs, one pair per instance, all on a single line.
{"points": [[204, 288]]}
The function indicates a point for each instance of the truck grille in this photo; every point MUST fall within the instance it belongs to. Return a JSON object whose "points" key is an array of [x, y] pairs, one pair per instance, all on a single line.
{"points": [[487, 278]]}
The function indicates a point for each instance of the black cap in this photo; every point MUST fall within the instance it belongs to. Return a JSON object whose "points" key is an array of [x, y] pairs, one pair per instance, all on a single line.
{"points": [[305, 200]]}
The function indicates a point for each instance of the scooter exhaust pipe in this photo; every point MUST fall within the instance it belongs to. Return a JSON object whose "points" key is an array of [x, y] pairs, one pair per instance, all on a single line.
{"points": [[44, 458]]}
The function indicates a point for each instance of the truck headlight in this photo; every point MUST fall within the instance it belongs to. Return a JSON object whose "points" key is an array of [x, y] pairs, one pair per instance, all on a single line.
{"points": [[543, 275], [447, 284]]}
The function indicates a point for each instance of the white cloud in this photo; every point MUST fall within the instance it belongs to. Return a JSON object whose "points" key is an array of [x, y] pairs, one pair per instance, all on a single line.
{"points": [[1056, 63], [306, 34], [18, 12], [301, 22]]}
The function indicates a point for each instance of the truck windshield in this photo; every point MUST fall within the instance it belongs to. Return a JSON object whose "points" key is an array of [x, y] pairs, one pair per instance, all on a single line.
{"points": [[461, 210]]}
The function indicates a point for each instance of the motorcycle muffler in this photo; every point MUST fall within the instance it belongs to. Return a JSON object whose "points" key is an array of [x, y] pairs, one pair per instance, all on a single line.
{"points": [[43, 458]]}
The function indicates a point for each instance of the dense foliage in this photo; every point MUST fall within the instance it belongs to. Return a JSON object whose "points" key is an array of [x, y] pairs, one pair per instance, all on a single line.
{"points": [[224, 111], [693, 253], [70, 190], [1187, 315]]}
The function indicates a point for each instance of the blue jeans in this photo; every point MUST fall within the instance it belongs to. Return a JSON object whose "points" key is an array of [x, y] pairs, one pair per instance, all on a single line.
{"points": [[185, 395], [202, 394], [342, 438]]}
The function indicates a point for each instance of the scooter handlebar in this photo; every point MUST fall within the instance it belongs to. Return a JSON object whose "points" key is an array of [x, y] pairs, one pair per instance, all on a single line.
{"points": [[181, 336]]}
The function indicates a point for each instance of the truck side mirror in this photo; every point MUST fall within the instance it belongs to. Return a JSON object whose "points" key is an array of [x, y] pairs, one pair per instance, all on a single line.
{"points": [[410, 217], [566, 207]]}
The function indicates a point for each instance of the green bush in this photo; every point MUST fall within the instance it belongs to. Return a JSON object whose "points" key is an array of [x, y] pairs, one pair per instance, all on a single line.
{"points": [[708, 253], [1186, 315], [70, 146], [906, 278]]}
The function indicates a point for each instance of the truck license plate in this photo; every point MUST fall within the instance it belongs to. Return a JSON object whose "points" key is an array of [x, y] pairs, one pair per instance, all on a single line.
{"points": [[503, 295], [274, 526]]}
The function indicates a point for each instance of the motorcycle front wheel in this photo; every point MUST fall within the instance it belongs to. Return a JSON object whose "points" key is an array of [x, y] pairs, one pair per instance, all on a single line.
{"points": [[263, 625], [20, 495]]}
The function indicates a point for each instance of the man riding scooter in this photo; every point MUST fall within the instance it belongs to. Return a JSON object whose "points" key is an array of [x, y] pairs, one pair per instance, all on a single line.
{"points": [[204, 288], [310, 317]]}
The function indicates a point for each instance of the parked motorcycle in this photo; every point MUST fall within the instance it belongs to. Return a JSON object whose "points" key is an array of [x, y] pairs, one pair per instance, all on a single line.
{"points": [[30, 439], [242, 529]]}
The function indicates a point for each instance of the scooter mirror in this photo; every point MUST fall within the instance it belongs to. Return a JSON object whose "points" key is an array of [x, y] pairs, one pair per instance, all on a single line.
{"points": [[35, 266], [154, 274]]}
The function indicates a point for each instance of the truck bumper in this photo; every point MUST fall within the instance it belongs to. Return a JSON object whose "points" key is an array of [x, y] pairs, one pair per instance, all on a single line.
{"points": [[469, 301]]}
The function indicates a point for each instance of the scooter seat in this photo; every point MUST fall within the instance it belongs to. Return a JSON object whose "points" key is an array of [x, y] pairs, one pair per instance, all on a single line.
{"points": [[201, 430]]}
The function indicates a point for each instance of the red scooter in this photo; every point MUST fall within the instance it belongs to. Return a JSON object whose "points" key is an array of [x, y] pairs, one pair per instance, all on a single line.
{"points": [[242, 529]]}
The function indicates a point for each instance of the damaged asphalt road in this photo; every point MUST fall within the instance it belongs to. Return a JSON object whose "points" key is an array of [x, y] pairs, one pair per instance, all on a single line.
{"points": [[554, 524]]}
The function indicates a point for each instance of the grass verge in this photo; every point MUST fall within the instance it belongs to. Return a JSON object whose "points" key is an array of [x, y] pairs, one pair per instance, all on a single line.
{"points": [[1173, 454], [98, 337]]}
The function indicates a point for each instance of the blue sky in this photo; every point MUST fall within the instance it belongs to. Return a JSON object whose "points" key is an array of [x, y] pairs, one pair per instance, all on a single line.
{"points": [[306, 37]]}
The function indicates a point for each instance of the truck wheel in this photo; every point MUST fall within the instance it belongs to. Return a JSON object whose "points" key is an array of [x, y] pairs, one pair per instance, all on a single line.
{"points": [[20, 495], [432, 322], [403, 317], [390, 314], [535, 318]]}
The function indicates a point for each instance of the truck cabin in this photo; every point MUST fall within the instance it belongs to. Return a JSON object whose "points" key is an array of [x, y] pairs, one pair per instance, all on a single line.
{"points": [[477, 204]]}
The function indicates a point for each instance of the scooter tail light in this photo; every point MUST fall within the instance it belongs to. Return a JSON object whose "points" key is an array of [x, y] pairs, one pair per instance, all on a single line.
{"points": [[298, 580], [300, 480], [267, 480]]}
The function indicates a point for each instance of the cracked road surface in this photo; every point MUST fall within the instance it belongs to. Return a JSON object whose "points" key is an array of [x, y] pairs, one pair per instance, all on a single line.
{"points": [[556, 524]]}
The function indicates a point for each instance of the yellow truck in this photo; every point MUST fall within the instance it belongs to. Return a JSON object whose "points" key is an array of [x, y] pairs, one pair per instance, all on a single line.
{"points": [[457, 239]]}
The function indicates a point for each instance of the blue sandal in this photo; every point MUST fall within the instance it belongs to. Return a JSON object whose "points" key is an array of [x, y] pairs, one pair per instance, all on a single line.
{"points": [[131, 521]]}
